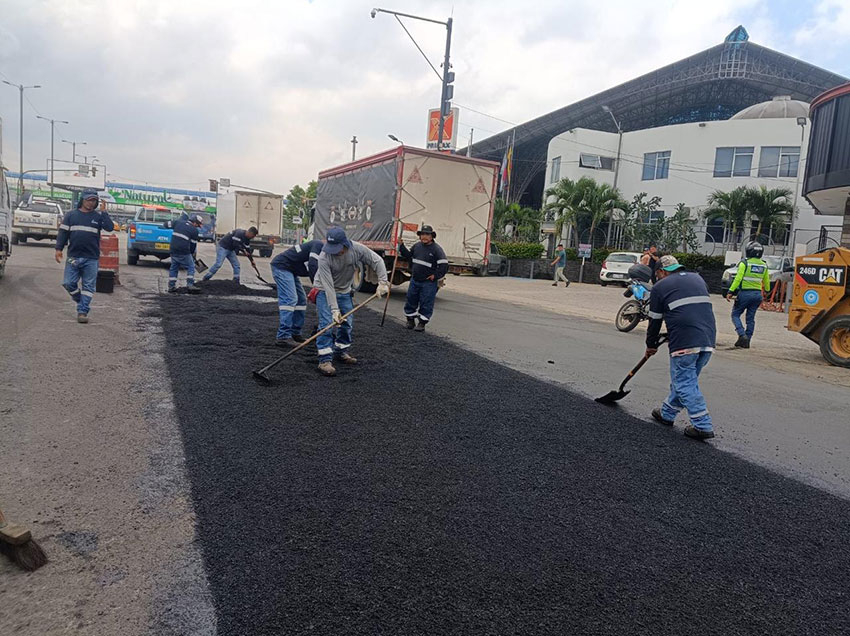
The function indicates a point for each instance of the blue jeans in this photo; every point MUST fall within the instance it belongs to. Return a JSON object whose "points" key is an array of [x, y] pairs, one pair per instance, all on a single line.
{"points": [[338, 339], [291, 303], [76, 269], [220, 255], [748, 300], [420, 299], [187, 262], [684, 390]]}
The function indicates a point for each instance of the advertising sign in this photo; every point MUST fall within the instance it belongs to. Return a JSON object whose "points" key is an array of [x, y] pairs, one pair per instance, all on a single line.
{"points": [[584, 250], [67, 174], [361, 202], [449, 130]]}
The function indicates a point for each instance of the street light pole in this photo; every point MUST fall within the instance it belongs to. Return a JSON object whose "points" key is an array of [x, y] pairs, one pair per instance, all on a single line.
{"points": [[801, 122], [616, 171], [447, 77], [21, 88], [74, 147], [353, 146], [53, 123]]}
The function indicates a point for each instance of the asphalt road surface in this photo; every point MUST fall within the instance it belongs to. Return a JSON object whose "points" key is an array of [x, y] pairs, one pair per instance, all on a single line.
{"points": [[110, 454], [429, 490]]}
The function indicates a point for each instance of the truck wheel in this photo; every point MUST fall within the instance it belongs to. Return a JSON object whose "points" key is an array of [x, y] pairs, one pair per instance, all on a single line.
{"points": [[265, 253], [23, 238], [132, 257], [480, 271], [503, 268], [360, 284], [629, 316], [835, 341], [14, 239]]}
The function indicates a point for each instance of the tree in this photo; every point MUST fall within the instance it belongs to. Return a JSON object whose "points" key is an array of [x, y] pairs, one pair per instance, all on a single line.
{"points": [[638, 226], [298, 204], [772, 207], [731, 207], [524, 221], [564, 207], [597, 202], [679, 229]]}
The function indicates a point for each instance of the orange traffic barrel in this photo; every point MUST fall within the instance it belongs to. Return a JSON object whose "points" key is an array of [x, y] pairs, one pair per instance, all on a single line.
{"points": [[108, 253]]}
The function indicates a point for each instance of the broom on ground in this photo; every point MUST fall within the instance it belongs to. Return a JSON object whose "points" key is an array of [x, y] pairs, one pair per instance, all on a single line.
{"points": [[17, 544]]}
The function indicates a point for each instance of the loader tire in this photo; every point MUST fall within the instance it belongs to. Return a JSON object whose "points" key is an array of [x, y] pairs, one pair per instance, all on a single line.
{"points": [[835, 342]]}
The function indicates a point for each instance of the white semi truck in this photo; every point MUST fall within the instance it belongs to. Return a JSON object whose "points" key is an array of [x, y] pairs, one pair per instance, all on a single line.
{"points": [[242, 209], [389, 196]]}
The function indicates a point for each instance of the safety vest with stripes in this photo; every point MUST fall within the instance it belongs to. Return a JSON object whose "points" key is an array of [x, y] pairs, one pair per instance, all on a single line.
{"points": [[752, 275]]}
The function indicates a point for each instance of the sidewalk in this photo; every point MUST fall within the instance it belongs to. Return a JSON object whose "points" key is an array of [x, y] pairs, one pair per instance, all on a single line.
{"points": [[773, 345]]}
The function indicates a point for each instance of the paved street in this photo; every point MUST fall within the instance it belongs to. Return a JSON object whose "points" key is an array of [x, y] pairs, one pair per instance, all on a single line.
{"points": [[102, 479]]}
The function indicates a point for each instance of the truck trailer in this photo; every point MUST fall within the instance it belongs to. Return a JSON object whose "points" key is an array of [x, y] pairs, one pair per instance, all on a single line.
{"points": [[242, 209], [387, 197]]}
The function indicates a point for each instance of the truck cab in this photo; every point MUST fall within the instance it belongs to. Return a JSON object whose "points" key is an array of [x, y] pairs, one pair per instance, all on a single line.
{"points": [[5, 223], [37, 220], [149, 233]]}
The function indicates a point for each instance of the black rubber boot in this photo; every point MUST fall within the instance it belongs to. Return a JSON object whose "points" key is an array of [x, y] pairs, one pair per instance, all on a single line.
{"points": [[420, 326], [411, 323]]}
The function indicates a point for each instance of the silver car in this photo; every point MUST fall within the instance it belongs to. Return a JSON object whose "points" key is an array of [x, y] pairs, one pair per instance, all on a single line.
{"points": [[780, 268]]}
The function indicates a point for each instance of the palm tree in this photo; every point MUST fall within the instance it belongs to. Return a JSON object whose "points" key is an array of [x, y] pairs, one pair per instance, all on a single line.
{"points": [[597, 201], [771, 206], [525, 220], [679, 228], [731, 207], [566, 197]]}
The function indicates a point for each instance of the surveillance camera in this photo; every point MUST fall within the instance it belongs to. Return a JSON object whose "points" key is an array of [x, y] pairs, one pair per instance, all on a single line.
{"points": [[374, 13]]}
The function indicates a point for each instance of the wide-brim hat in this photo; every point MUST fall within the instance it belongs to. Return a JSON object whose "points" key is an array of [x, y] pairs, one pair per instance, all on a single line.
{"points": [[427, 229]]}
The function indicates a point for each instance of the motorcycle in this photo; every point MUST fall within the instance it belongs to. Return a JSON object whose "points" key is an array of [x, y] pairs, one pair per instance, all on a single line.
{"points": [[635, 310]]}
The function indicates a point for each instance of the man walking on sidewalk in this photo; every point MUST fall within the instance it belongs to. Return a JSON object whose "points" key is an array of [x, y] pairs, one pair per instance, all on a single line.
{"points": [[231, 244], [80, 229], [680, 299], [287, 269], [334, 278], [428, 265], [560, 263], [753, 280], [184, 242]]}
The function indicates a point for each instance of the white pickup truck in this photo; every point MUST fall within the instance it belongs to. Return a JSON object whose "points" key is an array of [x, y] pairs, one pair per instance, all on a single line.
{"points": [[36, 219]]}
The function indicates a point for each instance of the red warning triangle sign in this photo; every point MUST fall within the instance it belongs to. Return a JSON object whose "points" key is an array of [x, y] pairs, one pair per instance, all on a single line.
{"points": [[479, 187], [415, 177]]}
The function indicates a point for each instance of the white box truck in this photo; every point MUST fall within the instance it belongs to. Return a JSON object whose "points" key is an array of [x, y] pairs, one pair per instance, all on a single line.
{"points": [[388, 196], [5, 212], [242, 209]]}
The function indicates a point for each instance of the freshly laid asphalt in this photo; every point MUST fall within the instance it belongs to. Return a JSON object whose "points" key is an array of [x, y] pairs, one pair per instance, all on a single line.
{"points": [[428, 490]]}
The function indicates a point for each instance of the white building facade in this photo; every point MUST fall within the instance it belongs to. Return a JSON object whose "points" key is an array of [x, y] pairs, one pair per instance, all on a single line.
{"points": [[684, 163]]}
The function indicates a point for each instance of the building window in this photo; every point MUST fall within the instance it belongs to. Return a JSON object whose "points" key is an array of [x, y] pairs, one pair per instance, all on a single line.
{"points": [[555, 175], [779, 161], [596, 162], [733, 162], [656, 165]]}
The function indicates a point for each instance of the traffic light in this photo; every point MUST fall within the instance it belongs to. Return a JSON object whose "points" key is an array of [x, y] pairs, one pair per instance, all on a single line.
{"points": [[213, 185], [448, 93]]}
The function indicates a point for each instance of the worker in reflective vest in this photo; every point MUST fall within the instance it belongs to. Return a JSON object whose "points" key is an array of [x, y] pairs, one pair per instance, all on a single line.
{"points": [[428, 264], [751, 282]]}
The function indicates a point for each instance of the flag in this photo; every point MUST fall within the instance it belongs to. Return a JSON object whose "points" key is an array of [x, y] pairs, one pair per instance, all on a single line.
{"points": [[507, 165]]}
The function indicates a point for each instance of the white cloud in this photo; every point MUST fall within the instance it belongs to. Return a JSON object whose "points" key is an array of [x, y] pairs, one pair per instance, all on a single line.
{"points": [[269, 93]]}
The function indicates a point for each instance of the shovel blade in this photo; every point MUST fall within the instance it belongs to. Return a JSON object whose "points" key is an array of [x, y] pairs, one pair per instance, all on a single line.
{"points": [[262, 378], [200, 266], [612, 396]]}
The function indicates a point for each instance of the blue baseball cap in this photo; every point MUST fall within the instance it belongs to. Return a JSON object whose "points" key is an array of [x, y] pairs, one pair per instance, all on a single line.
{"points": [[335, 241]]}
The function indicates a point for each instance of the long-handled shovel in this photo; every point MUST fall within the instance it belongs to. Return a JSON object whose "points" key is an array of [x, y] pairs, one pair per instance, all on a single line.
{"points": [[254, 265], [614, 396], [261, 375]]}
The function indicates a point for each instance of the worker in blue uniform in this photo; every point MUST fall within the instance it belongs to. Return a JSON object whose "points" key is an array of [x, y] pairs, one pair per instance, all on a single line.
{"points": [[233, 243], [428, 264], [80, 230], [287, 269], [184, 242], [680, 299]]}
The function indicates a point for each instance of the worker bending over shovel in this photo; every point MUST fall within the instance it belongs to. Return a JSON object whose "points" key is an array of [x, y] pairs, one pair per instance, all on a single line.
{"points": [[334, 277], [681, 300], [428, 265], [231, 244], [287, 269], [184, 243]]}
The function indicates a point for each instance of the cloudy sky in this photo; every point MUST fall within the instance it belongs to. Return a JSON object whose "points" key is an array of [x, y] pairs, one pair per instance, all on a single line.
{"points": [[269, 92]]}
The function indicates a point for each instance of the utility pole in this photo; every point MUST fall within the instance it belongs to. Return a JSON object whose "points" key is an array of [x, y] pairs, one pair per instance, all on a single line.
{"points": [[616, 171], [53, 123], [353, 147], [21, 88]]}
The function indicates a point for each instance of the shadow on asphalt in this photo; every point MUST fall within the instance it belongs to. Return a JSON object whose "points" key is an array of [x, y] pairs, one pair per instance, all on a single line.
{"points": [[428, 490]]}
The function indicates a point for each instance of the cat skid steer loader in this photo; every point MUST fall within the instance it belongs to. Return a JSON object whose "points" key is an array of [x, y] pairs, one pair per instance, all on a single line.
{"points": [[820, 304]]}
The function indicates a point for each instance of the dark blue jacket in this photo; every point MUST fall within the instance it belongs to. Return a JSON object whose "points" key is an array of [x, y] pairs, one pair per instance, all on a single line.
{"points": [[681, 300], [81, 231], [184, 238], [236, 241], [301, 260], [425, 260]]}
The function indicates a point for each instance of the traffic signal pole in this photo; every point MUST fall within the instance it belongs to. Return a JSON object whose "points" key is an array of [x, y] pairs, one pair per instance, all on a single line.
{"points": [[448, 77]]}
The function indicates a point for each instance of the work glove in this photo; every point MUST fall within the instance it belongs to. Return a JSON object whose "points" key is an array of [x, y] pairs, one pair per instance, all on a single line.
{"points": [[336, 315], [441, 283], [383, 289], [313, 294]]}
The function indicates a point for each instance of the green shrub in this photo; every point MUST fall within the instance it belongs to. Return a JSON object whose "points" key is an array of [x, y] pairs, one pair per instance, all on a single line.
{"points": [[700, 261], [520, 250], [572, 254], [600, 254]]}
